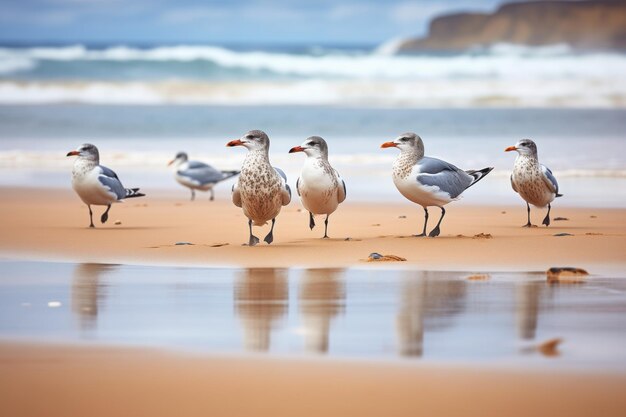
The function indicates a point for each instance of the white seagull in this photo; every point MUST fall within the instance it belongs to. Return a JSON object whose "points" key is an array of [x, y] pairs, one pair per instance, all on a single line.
{"points": [[261, 190], [320, 186], [96, 184], [197, 175], [428, 181], [533, 181]]}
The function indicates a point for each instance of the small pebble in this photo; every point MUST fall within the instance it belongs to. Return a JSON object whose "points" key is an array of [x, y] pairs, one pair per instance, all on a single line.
{"points": [[483, 236], [376, 224], [118, 222], [560, 219], [218, 245], [402, 217], [563, 234], [594, 234], [593, 217], [348, 239], [550, 347], [503, 212], [183, 243]]}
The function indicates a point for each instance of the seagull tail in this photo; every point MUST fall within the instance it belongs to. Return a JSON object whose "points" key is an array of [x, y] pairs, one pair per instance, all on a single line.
{"points": [[478, 174], [559, 195], [228, 174], [133, 192]]}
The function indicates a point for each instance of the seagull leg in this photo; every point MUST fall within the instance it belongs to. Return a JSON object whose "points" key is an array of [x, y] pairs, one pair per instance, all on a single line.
{"points": [[105, 215], [193, 194], [326, 227], [435, 231], [212, 195], [253, 239], [90, 217], [270, 236], [546, 220], [311, 221], [425, 222], [528, 209]]}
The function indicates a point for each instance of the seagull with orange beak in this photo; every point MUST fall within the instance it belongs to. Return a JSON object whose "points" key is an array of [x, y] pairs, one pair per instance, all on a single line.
{"points": [[96, 184], [428, 181], [197, 175], [320, 186], [261, 189], [533, 181]]}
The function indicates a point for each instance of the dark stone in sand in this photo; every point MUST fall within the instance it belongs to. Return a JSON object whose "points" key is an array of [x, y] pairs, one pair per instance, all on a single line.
{"points": [[560, 219], [183, 243], [563, 234]]}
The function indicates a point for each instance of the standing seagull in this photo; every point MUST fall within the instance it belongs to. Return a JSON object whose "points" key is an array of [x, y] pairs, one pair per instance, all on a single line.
{"points": [[96, 184], [261, 189], [320, 186], [428, 181], [533, 181], [198, 175]]}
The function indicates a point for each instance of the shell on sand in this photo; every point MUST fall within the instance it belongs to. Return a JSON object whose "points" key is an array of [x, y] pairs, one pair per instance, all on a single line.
{"points": [[386, 258], [566, 275], [550, 347]]}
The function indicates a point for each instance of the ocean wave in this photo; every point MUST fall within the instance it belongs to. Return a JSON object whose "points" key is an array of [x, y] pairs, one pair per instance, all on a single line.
{"points": [[394, 94], [497, 62]]}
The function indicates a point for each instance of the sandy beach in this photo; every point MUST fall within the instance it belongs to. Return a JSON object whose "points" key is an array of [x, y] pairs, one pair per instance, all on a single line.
{"points": [[51, 224]]}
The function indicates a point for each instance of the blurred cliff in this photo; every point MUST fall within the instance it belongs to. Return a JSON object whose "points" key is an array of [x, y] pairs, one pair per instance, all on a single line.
{"points": [[583, 25]]}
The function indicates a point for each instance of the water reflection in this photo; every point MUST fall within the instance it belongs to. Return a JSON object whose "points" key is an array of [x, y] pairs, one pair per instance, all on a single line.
{"points": [[428, 301], [87, 293], [322, 297], [527, 308], [261, 300]]}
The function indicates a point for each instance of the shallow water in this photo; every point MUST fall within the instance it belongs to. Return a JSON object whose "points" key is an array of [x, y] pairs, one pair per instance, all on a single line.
{"points": [[348, 313]]}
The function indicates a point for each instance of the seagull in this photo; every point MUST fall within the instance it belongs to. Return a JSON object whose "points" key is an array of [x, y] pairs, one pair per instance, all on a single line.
{"points": [[320, 186], [533, 181], [428, 181], [197, 175], [96, 184], [261, 190]]}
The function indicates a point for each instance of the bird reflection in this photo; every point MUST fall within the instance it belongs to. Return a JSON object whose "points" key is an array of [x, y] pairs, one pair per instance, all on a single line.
{"points": [[87, 293], [322, 297], [429, 300], [527, 308], [261, 299]]}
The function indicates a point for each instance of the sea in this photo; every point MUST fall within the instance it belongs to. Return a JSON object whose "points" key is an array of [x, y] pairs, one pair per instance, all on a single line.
{"points": [[140, 104]]}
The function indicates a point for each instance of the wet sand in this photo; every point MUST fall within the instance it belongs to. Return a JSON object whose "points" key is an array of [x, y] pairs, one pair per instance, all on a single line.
{"points": [[51, 224], [105, 381]]}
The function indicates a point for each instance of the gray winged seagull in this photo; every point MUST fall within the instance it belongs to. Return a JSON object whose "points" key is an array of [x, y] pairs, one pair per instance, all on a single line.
{"points": [[95, 184], [533, 181], [320, 186], [261, 189], [428, 181], [197, 175]]}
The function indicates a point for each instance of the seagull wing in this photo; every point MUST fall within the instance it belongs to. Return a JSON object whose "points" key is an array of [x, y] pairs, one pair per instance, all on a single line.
{"points": [[513, 184], [236, 195], [201, 174], [443, 175], [108, 178], [341, 191], [298, 186], [549, 180], [285, 190]]}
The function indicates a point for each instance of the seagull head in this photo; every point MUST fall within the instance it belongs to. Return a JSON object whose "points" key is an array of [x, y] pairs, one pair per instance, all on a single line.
{"points": [[524, 147], [180, 158], [87, 151], [406, 142], [314, 146], [253, 140]]}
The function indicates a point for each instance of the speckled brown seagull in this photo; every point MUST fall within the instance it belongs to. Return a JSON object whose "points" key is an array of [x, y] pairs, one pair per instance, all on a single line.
{"points": [[96, 184], [533, 181], [428, 181], [320, 187], [262, 189]]}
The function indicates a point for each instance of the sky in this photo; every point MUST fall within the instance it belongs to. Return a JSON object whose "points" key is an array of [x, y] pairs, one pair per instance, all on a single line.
{"points": [[223, 22]]}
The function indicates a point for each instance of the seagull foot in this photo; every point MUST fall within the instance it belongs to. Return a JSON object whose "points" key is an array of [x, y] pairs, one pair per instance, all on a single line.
{"points": [[420, 235], [527, 225], [91, 226], [253, 240], [269, 238], [434, 232], [104, 217], [546, 221], [325, 237], [311, 221]]}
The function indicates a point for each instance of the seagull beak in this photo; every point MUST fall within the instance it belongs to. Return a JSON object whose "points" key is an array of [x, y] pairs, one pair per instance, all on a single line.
{"points": [[73, 153], [510, 148], [296, 149], [236, 142], [389, 145]]}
